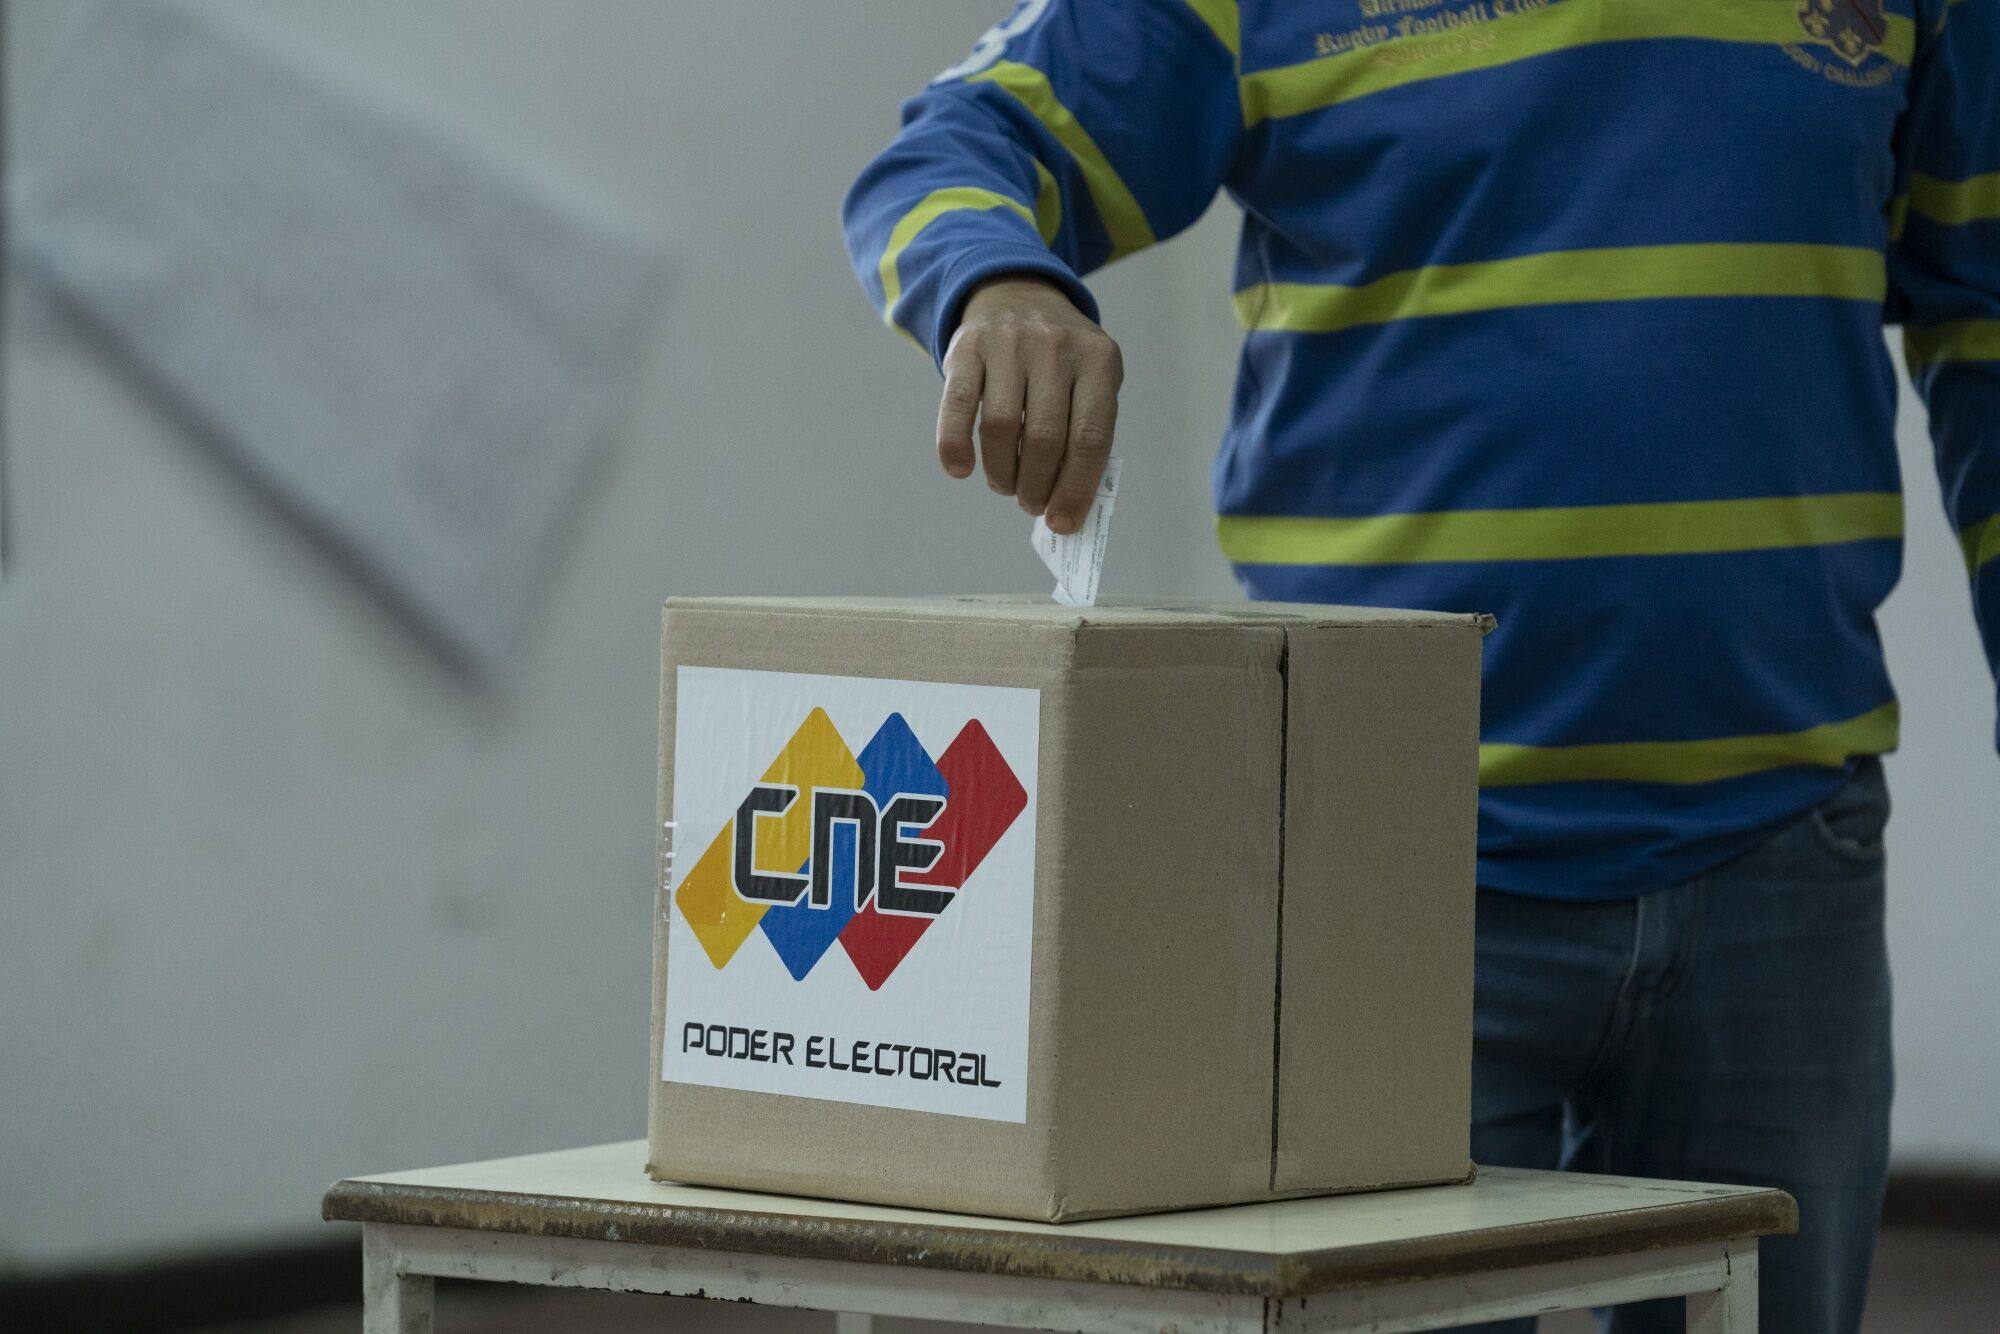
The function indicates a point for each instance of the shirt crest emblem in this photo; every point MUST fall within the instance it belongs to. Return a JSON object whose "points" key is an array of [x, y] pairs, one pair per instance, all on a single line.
{"points": [[1851, 29]]}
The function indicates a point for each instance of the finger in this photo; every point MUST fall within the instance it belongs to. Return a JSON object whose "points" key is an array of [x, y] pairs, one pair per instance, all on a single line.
{"points": [[957, 409], [1000, 421], [1093, 420], [1044, 431]]}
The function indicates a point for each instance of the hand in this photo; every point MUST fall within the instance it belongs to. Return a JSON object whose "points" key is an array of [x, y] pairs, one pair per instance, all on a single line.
{"points": [[1042, 380]]}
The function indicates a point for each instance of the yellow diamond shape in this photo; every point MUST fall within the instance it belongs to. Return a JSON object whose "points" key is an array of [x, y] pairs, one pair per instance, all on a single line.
{"points": [[722, 919]]}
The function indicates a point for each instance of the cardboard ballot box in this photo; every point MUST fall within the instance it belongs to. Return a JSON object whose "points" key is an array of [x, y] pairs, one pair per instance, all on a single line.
{"points": [[1009, 908]]}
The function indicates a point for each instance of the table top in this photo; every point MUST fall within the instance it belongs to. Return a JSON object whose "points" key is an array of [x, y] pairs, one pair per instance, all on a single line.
{"points": [[1505, 1218]]}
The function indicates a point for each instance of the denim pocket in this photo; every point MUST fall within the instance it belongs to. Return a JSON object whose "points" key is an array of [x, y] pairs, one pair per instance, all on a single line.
{"points": [[1850, 823]]}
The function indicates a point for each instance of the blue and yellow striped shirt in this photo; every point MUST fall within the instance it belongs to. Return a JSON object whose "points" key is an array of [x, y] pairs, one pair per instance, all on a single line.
{"points": [[1568, 310]]}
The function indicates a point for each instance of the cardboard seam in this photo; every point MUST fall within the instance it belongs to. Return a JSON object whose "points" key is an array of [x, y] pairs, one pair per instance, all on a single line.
{"points": [[1278, 965], [1050, 1112]]}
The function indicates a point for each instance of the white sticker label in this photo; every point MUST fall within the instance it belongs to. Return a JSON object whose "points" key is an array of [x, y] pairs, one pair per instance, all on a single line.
{"points": [[852, 915], [1077, 559]]}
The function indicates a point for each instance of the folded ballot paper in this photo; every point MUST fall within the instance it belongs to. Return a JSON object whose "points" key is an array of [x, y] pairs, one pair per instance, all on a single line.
{"points": [[1077, 559]]}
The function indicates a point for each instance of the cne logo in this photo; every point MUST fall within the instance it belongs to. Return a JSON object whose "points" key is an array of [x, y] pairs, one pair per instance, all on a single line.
{"points": [[864, 849]]}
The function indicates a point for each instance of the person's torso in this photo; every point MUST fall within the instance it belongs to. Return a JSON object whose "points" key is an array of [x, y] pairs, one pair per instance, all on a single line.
{"points": [[1571, 311]]}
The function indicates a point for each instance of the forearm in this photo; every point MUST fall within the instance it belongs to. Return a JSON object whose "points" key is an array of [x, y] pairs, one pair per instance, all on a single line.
{"points": [[954, 201]]}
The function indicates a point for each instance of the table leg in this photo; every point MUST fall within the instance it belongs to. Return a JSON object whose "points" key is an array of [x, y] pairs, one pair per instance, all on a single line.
{"points": [[392, 1302], [1733, 1308]]}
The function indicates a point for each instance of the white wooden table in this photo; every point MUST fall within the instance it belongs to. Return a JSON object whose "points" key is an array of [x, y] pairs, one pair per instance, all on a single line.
{"points": [[1511, 1243]]}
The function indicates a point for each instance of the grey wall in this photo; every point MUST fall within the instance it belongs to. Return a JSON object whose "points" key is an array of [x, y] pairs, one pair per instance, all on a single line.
{"points": [[283, 902], [1944, 844]]}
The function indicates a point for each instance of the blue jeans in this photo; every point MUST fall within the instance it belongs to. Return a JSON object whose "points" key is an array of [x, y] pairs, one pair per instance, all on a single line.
{"points": [[1734, 1028]]}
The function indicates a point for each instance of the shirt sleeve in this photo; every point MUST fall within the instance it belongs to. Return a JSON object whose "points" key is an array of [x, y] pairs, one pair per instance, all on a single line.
{"points": [[1944, 269], [1076, 132]]}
